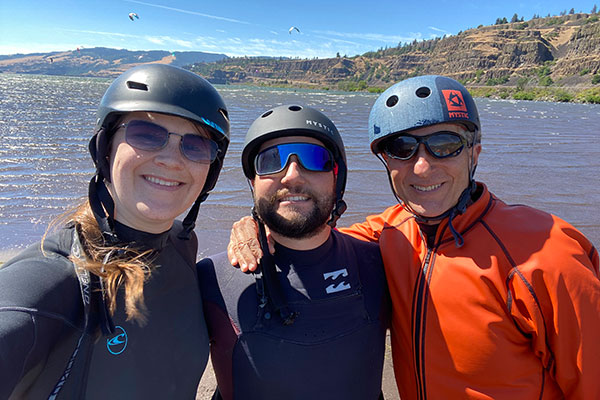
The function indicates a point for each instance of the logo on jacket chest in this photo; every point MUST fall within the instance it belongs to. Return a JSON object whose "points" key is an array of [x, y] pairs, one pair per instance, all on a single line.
{"points": [[336, 278], [117, 344]]}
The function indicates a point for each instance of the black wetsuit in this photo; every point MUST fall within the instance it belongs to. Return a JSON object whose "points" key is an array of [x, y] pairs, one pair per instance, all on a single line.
{"points": [[42, 318], [334, 349]]}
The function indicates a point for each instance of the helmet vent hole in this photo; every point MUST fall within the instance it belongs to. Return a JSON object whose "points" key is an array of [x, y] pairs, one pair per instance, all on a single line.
{"points": [[423, 92], [294, 108], [392, 101], [137, 85], [265, 115]]}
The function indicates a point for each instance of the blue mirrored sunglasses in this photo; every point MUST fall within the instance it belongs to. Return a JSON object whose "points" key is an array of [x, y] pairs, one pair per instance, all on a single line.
{"points": [[311, 156], [148, 136]]}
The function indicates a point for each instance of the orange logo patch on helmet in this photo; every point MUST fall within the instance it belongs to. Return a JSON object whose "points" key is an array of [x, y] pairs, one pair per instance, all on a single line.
{"points": [[454, 100]]}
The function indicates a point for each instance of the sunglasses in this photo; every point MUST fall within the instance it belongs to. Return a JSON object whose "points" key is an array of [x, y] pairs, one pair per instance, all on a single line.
{"points": [[441, 144], [312, 157], [145, 135]]}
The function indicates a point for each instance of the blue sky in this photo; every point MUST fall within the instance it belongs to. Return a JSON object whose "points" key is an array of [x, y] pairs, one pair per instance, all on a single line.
{"points": [[251, 28]]}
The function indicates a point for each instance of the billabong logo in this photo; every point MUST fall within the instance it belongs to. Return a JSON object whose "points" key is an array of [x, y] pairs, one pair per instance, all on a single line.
{"points": [[333, 276], [117, 344], [454, 100]]}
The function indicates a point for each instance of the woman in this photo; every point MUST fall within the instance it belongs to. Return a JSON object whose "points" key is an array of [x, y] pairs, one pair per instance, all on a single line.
{"points": [[108, 306]]}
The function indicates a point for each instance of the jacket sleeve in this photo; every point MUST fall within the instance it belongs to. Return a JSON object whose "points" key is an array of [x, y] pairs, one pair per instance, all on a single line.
{"points": [[557, 303], [34, 312], [371, 229], [16, 343]]}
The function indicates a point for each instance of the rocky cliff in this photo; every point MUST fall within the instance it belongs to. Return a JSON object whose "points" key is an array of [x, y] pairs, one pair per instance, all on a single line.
{"points": [[559, 51], [562, 50]]}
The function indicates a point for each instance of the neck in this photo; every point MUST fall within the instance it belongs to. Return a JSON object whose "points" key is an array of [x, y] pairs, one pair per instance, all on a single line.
{"points": [[308, 243]]}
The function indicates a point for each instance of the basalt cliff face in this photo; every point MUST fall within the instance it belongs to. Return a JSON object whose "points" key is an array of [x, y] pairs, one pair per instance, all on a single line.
{"points": [[564, 49], [560, 51]]}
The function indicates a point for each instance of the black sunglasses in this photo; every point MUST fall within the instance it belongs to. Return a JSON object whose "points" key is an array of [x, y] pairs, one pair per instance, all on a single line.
{"points": [[441, 144], [146, 135]]}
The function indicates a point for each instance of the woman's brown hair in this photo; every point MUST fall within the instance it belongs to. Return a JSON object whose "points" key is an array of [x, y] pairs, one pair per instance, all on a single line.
{"points": [[118, 266]]}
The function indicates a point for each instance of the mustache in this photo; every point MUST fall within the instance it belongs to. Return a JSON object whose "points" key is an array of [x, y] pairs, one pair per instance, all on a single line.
{"points": [[291, 192]]}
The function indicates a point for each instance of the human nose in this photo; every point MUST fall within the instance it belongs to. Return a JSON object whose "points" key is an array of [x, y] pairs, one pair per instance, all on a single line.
{"points": [[423, 161], [170, 155], [293, 171]]}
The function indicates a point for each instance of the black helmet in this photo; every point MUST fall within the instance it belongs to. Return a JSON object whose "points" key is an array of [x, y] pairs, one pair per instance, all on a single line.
{"points": [[162, 89], [419, 102], [295, 120]]}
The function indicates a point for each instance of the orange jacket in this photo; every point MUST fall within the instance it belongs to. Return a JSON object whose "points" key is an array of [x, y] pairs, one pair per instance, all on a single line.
{"points": [[512, 314]]}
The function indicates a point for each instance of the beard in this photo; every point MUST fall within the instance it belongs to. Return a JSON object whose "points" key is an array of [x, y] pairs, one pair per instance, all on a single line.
{"points": [[299, 225]]}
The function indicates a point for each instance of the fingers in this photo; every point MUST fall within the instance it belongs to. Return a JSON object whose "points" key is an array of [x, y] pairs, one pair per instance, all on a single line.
{"points": [[244, 248], [270, 241]]}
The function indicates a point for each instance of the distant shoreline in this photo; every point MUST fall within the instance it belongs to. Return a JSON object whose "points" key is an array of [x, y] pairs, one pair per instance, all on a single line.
{"points": [[558, 94]]}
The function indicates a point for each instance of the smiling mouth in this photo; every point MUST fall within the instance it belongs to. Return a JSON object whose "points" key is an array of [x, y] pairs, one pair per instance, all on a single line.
{"points": [[295, 198], [427, 188], [161, 182]]}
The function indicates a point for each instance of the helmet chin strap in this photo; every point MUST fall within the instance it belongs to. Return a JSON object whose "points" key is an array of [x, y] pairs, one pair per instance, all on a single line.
{"points": [[103, 208]]}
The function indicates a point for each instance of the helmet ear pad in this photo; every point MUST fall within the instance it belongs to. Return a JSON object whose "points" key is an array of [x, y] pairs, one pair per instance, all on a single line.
{"points": [[100, 150]]}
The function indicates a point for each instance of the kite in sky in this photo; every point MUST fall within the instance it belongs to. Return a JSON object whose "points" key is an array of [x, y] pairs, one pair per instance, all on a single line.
{"points": [[293, 28], [133, 15]]}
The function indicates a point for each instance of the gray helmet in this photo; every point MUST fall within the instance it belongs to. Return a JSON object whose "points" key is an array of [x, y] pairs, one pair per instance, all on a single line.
{"points": [[419, 102], [162, 89], [295, 120]]}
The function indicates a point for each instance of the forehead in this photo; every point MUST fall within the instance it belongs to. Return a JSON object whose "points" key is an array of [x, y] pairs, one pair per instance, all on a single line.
{"points": [[456, 128], [172, 123], [290, 139]]}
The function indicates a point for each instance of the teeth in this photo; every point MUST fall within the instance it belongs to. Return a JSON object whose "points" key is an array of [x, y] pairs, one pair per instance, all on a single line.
{"points": [[427, 188], [161, 182], [295, 198]]}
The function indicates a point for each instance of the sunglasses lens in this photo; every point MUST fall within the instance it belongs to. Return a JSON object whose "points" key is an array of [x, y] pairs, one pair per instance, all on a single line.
{"points": [[401, 147], [444, 144], [146, 135], [198, 148], [149, 136], [439, 144], [312, 157]]}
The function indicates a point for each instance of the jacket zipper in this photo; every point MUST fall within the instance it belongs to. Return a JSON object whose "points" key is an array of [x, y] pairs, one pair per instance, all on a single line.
{"points": [[420, 311]]}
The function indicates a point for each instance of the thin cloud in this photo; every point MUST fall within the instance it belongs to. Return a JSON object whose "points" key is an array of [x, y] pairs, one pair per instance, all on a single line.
{"points": [[114, 34], [433, 28], [161, 40], [188, 12], [375, 37]]}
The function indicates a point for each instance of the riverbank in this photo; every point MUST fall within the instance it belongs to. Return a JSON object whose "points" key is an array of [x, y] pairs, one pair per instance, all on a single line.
{"points": [[562, 94]]}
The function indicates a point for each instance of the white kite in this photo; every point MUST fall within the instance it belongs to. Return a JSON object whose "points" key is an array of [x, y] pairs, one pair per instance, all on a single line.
{"points": [[293, 28]]}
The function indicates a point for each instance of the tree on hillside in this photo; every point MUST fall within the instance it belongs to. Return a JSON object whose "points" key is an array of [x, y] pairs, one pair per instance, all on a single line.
{"points": [[571, 11], [515, 18], [594, 9]]}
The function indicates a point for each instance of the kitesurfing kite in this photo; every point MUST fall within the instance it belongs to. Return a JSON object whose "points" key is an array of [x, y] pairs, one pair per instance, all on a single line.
{"points": [[133, 15], [293, 28]]}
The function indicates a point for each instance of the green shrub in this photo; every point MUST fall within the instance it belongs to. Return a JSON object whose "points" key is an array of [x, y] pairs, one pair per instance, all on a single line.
{"points": [[584, 71], [524, 95], [596, 79], [497, 81], [563, 96], [546, 81]]}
